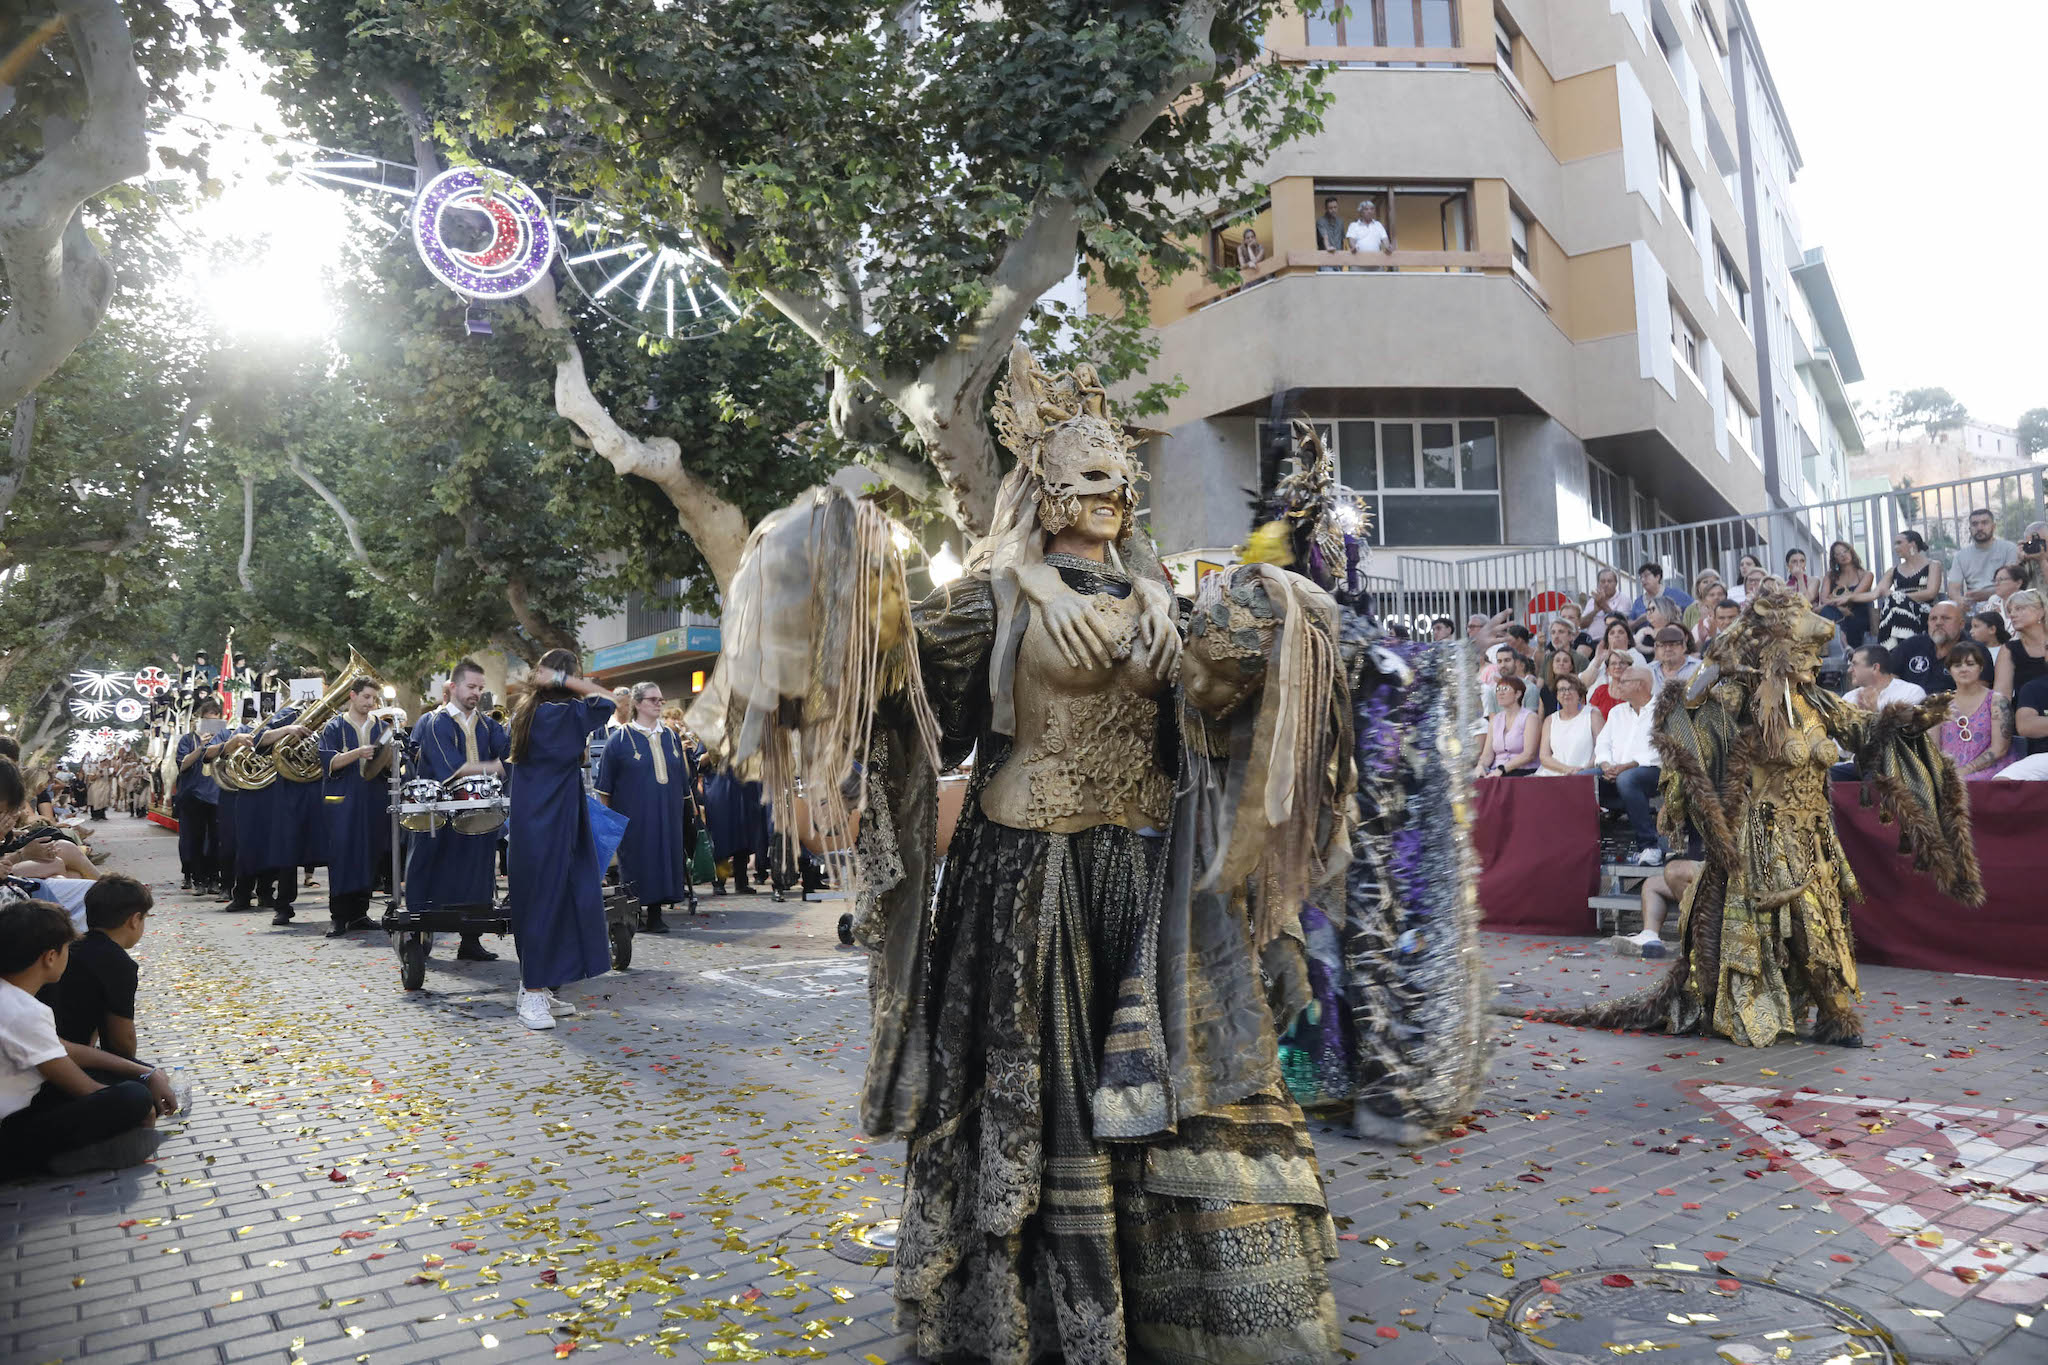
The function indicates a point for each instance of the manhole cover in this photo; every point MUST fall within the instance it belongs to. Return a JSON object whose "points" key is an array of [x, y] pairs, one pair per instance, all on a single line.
{"points": [[867, 1243], [1681, 1318]]}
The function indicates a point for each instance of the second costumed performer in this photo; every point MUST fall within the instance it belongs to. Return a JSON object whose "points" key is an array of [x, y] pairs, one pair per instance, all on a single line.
{"points": [[553, 872], [1068, 1021]]}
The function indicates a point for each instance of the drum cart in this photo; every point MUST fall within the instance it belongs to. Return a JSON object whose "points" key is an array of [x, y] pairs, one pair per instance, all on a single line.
{"points": [[413, 809]]}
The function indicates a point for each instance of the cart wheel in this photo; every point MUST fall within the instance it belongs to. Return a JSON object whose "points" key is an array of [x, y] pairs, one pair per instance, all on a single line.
{"points": [[622, 946], [846, 929], [412, 961]]}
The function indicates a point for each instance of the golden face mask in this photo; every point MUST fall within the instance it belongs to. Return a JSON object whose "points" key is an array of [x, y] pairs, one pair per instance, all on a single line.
{"points": [[1060, 430]]}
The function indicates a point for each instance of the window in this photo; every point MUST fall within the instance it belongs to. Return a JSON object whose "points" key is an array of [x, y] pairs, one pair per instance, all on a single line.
{"points": [[1731, 283], [1706, 23], [1426, 482], [1518, 236], [1417, 217], [1677, 184], [1389, 23], [1228, 249], [1685, 340], [1604, 498], [1740, 418], [1504, 42]]}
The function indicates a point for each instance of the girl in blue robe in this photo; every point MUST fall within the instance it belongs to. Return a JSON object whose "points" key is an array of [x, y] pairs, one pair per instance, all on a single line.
{"points": [[644, 775], [356, 792], [554, 876]]}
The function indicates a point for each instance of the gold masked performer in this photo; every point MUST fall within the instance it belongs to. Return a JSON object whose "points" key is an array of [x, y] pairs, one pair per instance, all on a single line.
{"points": [[1746, 746], [1069, 1022]]}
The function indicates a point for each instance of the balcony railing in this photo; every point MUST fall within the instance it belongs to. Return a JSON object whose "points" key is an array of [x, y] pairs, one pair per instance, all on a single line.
{"points": [[1356, 263]]}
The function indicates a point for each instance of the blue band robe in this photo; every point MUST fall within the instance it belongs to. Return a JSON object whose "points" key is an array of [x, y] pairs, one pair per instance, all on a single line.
{"points": [[646, 779], [242, 820], [445, 868], [198, 839], [554, 880], [291, 822], [734, 813], [354, 807]]}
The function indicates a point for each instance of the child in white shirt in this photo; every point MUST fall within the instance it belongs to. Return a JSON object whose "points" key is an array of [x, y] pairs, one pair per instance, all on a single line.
{"points": [[56, 1115]]}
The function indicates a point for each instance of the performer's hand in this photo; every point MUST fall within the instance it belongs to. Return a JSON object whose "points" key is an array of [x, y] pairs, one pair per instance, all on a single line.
{"points": [[1081, 633], [1158, 632]]}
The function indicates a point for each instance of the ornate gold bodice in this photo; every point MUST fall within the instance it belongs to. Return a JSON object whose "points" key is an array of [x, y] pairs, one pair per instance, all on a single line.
{"points": [[1085, 751]]}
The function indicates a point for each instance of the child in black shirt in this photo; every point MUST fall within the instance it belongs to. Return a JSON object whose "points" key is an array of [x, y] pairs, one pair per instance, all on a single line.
{"points": [[96, 995]]}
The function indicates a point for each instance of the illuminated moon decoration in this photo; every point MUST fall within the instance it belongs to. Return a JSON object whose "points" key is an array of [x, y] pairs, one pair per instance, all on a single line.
{"points": [[152, 682], [129, 710], [522, 237]]}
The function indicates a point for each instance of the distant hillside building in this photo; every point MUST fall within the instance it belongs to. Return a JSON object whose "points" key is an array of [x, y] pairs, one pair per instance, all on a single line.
{"points": [[1970, 451]]}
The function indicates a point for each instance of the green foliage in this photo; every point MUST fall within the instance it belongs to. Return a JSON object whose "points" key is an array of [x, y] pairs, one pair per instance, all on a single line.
{"points": [[1932, 410], [2033, 432]]}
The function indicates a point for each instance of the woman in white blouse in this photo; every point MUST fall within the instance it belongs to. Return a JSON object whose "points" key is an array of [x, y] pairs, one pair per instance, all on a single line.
{"points": [[1569, 732]]}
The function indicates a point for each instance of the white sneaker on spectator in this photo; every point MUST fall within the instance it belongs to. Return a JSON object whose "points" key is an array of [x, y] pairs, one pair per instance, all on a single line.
{"points": [[1645, 937], [534, 1011], [1650, 857], [559, 1007]]}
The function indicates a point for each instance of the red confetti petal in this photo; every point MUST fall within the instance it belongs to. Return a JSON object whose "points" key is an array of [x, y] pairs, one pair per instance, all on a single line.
{"points": [[1730, 1285], [1716, 1255], [1688, 1206], [1667, 1193], [1617, 1281], [1389, 1332], [1602, 1189], [1838, 1256], [337, 1177], [1550, 1286]]}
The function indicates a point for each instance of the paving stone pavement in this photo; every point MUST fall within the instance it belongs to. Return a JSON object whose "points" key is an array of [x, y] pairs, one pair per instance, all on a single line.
{"points": [[369, 1175]]}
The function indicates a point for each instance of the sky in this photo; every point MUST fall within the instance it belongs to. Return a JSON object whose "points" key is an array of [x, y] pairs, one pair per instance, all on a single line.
{"points": [[1921, 127]]}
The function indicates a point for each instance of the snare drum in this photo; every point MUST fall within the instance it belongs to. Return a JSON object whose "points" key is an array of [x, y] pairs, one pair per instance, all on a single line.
{"points": [[418, 809], [476, 805]]}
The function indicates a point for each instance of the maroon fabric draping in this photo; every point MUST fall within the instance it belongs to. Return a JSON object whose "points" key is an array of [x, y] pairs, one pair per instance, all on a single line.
{"points": [[1538, 844], [1903, 921]]}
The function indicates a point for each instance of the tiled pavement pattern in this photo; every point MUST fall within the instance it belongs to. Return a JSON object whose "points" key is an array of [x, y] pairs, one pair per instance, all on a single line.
{"points": [[372, 1176]]}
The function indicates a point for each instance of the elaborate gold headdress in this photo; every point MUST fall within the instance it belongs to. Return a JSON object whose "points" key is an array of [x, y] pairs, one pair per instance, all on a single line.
{"points": [[1059, 428], [1317, 526]]}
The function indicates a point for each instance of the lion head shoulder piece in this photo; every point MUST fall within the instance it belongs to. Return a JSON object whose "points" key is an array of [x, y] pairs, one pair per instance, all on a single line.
{"points": [[1065, 439]]}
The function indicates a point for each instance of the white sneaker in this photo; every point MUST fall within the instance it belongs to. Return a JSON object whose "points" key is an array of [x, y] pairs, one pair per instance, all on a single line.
{"points": [[534, 1011], [1645, 937], [1650, 857], [559, 1007]]}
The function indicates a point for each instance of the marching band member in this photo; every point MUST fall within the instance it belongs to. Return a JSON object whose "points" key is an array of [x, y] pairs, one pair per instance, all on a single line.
{"points": [[644, 774], [198, 799], [292, 833], [444, 868], [555, 879], [355, 756], [245, 835]]}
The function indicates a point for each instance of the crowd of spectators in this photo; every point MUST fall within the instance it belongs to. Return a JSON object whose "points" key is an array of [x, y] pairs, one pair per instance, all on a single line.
{"points": [[1577, 695]]}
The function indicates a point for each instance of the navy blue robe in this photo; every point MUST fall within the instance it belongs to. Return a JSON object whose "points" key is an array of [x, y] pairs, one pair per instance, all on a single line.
{"points": [[445, 868], [355, 808], [735, 815], [243, 820], [290, 823], [196, 787], [655, 854], [554, 881]]}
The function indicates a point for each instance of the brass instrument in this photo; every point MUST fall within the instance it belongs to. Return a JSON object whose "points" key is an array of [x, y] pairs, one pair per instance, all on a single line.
{"points": [[296, 759]]}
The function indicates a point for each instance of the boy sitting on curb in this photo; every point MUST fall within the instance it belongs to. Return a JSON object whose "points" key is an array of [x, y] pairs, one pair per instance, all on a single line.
{"points": [[95, 1002]]}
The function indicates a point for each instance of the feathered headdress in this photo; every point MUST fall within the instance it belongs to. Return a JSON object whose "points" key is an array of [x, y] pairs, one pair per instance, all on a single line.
{"points": [[1315, 525]]}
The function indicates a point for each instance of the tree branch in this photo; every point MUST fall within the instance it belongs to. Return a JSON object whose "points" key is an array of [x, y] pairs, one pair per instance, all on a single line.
{"points": [[347, 520], [426, 158], [19, 446], [59, 287], [248, 533], [717, 526]]}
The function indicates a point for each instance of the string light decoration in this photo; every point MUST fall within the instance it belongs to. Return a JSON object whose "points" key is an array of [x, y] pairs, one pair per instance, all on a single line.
{"points": [[97, 684], [91, 708], [129, 710], [521, 245], [677, 291]]}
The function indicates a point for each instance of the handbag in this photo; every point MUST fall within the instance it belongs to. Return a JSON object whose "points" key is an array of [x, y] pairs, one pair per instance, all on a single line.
{"points": [[703, 862]]}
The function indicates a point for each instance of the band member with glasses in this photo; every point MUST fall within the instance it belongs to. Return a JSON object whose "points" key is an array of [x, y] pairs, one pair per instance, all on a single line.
{"points": [[445, 868]]}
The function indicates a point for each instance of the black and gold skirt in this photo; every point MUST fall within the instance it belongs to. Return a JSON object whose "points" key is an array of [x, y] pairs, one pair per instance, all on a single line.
{"points": [[1024, 1237]]}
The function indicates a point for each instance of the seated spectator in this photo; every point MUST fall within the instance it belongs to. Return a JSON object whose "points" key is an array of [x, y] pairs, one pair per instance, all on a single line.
{"points": [[2006, 580], [1580, 640], [1671, 664], [1607, 695], [1663, 612], [1726, 613], [1988, 629], [1971, 568], [1442, 628], [64, 1107], [1870, 674], [1627, 763], [2026, 657], [1522, 641], [38, 860], [1846, 593], [1513, 665], [1569, 731], [1660, 894], [1740, 590], [1651, 577], [2030, 719], [1615, 640], [1978, 731], [1562, 636], [1704, 580], [1922, 659], [95, 1000], [1799, 580], [2033, 563], [1698, 619], [1249, 250], [1605, 600], [1512, 735]]}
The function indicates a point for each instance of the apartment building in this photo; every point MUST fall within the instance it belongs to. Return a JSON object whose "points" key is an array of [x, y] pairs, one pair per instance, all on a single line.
{"points": [[1597, 315]]}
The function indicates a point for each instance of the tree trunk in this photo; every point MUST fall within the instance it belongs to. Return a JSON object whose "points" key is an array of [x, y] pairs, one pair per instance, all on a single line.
{"points": [[20, 444], [58, 285], [248, 534]]}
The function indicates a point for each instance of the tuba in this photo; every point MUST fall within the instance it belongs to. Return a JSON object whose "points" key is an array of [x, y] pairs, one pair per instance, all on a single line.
{"points": [[297, 759]]}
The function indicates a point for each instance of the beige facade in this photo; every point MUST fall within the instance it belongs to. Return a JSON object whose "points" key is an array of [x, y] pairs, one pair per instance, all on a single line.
{"points": [[1560, 345], [1971, 451]]}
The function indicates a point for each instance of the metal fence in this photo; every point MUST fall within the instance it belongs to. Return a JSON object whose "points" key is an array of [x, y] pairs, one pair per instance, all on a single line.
{"points": [[1532, 582]]}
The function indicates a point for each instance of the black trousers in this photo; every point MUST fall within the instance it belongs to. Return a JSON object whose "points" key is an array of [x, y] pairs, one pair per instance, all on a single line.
{"points": [[347, 907], [263, 886], [198, 839], [57, 1122]]}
